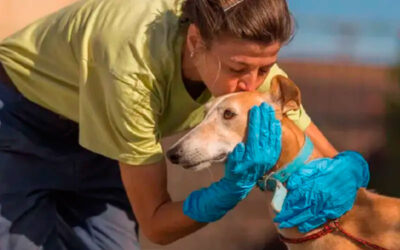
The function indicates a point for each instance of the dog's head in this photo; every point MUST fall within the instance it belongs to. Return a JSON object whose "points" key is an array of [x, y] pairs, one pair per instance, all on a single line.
{"points": [[225, 124]]}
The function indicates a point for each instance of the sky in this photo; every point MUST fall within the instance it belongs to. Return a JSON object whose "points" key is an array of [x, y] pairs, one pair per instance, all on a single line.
{"points": [[366, 31]]}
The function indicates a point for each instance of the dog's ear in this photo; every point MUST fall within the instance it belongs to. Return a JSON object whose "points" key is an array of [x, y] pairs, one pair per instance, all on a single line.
{"points": [[285, 93]]}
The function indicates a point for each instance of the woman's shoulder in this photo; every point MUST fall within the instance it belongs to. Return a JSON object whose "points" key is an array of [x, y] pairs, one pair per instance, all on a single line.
{"points": [[125, 11], [127, 34], [274, 71]]}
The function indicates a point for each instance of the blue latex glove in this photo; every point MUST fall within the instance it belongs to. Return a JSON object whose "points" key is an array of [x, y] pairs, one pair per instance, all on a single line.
{"points": [[323, 189], [244, 166]]}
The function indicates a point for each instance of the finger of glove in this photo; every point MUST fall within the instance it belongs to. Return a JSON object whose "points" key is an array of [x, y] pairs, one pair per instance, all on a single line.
{"points": [[252, 143], [306, 175], [276, 128], [275, 139], [300, 218], [307, 206], [309, 214], [355, 165], [270, 135], [296, 180], [237, 153], [313, 208], [311, 224], [294, 204], [338, 205], [287, 214], [267, 115], [332, 173], [235, 158]]}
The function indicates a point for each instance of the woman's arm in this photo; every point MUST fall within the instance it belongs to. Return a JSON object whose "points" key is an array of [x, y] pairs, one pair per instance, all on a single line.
{"points": [[320, 141], [161, 220]]}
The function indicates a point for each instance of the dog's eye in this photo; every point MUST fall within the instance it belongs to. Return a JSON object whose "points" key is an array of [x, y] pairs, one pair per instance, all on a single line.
{"points": [[228, 114]]}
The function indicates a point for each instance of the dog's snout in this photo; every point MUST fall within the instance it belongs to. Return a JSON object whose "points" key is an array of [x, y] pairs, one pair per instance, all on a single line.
{"points": [[174, 155]]}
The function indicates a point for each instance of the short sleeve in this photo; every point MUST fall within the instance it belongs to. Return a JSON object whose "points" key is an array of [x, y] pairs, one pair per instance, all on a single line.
{"points": [[299, 117], [118, 117]]}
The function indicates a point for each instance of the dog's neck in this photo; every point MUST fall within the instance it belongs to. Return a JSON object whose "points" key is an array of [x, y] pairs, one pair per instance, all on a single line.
{"points": [[292, 142]]}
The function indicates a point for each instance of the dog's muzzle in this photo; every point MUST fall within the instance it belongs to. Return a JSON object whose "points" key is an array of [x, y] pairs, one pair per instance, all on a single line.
{"points": [[178, 156], [174, 155]]}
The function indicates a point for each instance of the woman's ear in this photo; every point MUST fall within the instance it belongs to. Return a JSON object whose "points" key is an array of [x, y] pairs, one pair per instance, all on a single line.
{"points": [[285, 93], [194, 39]]}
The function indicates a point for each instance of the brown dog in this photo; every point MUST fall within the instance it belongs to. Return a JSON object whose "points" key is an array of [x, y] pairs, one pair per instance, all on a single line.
{"points": [[374, 218]]}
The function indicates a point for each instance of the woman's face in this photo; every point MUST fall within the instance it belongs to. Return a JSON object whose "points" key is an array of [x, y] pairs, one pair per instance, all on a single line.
{"points": [[230, 65]]}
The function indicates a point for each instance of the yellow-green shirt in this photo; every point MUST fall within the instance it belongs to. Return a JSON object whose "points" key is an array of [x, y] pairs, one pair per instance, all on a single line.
{"points": [[114, 67]]}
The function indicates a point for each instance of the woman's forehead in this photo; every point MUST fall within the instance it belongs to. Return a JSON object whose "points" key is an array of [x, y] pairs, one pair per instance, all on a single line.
{"points": [[244, 51]]}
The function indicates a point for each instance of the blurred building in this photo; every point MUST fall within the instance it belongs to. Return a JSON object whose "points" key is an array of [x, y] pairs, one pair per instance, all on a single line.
{"points": [[344, 62], [345, 100], [349, 102]]}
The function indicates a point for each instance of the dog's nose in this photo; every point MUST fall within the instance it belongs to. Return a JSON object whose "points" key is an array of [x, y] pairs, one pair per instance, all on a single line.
{"points": [[174, 155]]}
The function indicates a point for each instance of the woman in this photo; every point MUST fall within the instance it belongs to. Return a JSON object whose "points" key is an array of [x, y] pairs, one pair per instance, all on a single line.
{"points": [[97, 84]]}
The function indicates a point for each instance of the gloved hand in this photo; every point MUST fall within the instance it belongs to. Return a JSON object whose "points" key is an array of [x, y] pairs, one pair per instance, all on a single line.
{"points": [[245, 165], [248, 163], [323, 189]]}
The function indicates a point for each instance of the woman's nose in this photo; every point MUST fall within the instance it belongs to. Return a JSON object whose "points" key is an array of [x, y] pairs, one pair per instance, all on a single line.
{"points": [[242, 86], [247, 82]]}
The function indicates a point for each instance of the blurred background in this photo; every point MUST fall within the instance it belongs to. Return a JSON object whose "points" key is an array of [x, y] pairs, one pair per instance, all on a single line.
{"points": [[345, 58]]}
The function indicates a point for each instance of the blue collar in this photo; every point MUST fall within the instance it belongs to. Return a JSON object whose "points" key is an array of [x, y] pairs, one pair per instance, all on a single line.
{"points": [[269, 182]]}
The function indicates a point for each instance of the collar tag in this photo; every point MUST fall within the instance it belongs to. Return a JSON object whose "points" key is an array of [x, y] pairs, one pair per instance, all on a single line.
{"points": [[279, 197], [271, 184]]}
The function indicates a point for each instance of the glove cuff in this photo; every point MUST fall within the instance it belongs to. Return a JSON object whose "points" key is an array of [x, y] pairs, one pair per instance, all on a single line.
{"points": [[212, 203]]}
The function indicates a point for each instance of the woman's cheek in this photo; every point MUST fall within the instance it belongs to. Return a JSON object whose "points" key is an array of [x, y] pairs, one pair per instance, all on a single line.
{"points": [[230, 86]]}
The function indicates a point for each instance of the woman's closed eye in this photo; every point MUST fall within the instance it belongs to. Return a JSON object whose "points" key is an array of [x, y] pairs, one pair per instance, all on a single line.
{"points": [[237, 70], [261, 71]]}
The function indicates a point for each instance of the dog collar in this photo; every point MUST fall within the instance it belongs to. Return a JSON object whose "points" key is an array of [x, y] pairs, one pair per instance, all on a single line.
{"points": [[274, 181], [283, 174]]}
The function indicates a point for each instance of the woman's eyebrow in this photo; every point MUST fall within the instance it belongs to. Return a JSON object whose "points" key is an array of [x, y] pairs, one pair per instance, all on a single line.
{"points": [[249, 65], [239, 62]]}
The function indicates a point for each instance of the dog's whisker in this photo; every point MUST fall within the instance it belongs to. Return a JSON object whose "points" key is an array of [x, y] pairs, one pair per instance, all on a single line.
{"points": [[211, 174]]}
